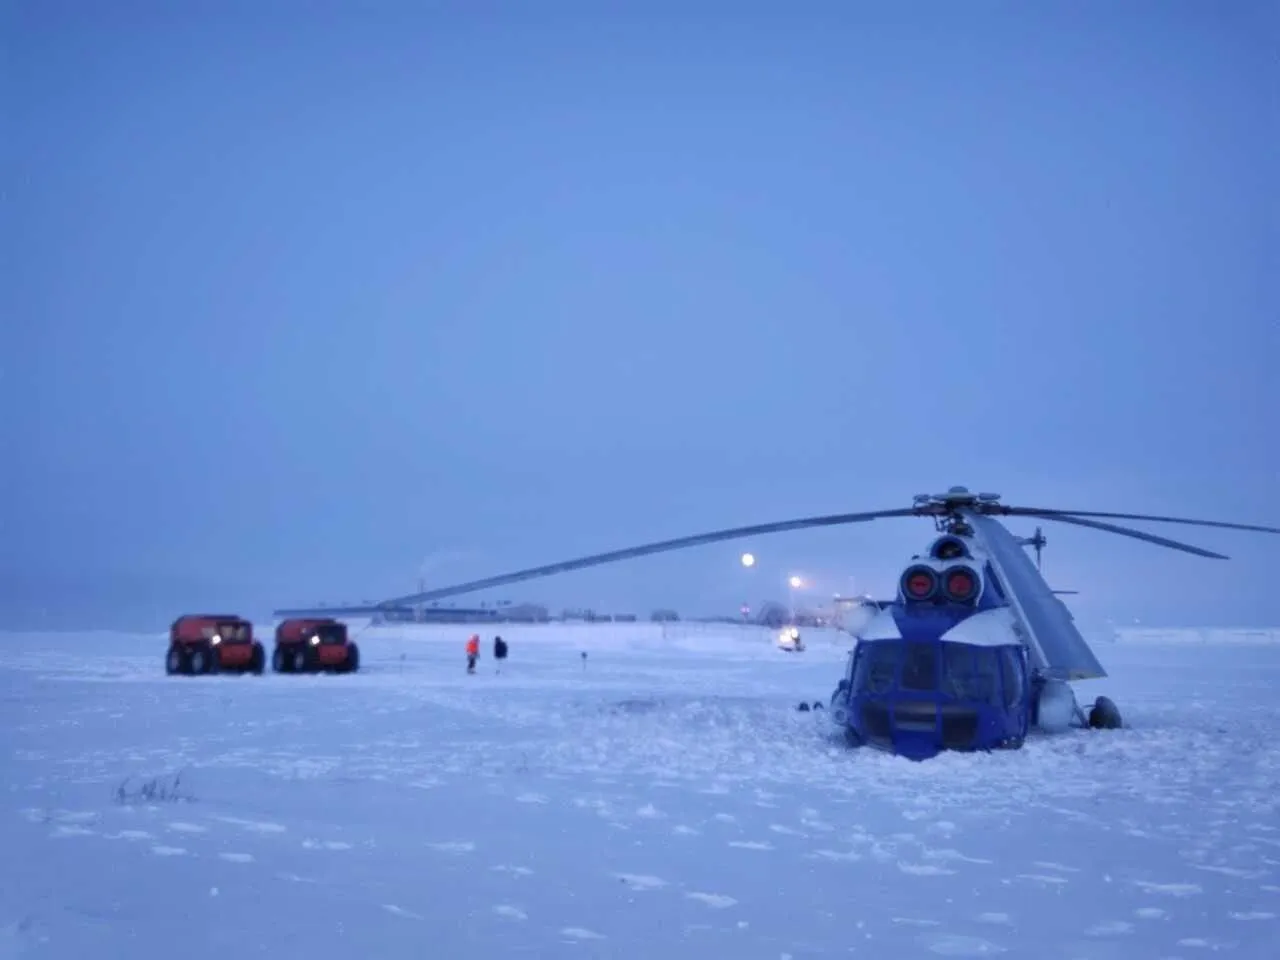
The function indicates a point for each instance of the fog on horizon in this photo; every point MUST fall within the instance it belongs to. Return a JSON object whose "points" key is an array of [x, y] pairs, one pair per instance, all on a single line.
{"points": [[309, 303]]}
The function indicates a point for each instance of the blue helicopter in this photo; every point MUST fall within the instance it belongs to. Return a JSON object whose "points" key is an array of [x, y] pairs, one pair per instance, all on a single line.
{"points": [[974, 653]]}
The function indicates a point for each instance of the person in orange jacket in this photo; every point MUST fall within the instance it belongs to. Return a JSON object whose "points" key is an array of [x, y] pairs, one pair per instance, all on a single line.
{"points": [[473, 652]]}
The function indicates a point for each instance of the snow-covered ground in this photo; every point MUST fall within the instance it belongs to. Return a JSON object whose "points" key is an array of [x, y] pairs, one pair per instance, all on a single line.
{"points": [[662, 798]]}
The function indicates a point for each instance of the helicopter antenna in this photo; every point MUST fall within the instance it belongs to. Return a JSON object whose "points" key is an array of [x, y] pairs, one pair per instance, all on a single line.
{"points": [[1039, 541]]}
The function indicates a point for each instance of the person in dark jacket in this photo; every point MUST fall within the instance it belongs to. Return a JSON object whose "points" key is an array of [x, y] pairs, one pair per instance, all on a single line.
{"points": [[499, 651]]}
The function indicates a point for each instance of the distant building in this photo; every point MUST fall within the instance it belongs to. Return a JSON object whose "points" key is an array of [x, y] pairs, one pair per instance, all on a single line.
{"points": [[525, 613], [436, 614]]}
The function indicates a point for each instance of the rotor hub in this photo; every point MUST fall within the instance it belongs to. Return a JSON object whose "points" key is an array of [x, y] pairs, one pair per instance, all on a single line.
{"points": [[956, 499]]}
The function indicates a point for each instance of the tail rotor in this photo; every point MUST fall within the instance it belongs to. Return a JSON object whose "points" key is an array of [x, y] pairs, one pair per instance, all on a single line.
{"points": [[1039, 542]]}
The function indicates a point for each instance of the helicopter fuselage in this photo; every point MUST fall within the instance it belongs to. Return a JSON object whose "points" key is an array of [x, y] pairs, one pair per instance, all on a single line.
{"points": [[947, 665]]}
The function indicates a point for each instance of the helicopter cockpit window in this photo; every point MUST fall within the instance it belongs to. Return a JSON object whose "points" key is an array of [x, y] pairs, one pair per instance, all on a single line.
{"points": [[971, 673], [877, 667], [1011, 676], [919, 667]]}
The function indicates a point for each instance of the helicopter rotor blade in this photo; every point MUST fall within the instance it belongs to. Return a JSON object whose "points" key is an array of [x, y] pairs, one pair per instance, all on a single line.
{"points": [[1054, 514], [661, 546], [1135, 534]]}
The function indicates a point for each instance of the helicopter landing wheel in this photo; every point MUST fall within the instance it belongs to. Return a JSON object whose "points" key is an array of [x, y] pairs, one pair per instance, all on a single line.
{"points": [[1105, 715]]}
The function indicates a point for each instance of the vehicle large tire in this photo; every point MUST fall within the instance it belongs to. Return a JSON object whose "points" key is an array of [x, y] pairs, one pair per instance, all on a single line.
{"points": [[353, 659], [174, 661], [258, 660], [199, 660], [298, 661], [1105, 715], [278, 661]]}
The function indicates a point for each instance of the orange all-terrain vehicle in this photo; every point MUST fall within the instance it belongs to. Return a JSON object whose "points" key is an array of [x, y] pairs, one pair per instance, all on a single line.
{"points": [[308, 645], [212, 643]]}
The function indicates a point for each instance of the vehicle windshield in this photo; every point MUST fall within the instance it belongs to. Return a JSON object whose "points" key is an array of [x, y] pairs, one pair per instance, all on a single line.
{"points": [[331, 633], [232, 632]]}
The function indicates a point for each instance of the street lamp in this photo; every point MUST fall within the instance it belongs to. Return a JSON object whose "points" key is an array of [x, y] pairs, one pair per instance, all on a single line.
{"points": [[795, 583]]}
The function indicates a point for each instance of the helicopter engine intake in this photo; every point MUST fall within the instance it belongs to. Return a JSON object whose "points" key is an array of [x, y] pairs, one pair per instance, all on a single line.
{"points": [[961, 583], [940, 582], [919, 583], [950, 548]]}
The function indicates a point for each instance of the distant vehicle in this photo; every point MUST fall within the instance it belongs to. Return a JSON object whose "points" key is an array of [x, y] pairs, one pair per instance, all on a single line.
{"points": [[314, 644], [789, 640], [213, 643]]}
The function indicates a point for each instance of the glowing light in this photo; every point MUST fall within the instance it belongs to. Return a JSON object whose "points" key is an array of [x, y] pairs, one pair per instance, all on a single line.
{"points": [[796, 583], [748, 560]]}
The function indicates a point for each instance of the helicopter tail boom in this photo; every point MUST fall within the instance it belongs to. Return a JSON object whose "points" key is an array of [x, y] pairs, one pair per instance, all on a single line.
{"points": [[1056, 646]]}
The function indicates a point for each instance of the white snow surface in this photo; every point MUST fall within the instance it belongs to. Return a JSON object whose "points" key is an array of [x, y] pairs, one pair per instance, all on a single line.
{"points": [[662, 798]]}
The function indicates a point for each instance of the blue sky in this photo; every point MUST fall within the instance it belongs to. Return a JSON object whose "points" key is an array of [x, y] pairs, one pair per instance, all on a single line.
{"points": [[304, 302]]}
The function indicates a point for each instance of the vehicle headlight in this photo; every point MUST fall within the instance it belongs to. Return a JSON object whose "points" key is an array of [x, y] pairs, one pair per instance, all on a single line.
{"points": [[315, 641], [794, 633], [215, 639]]}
